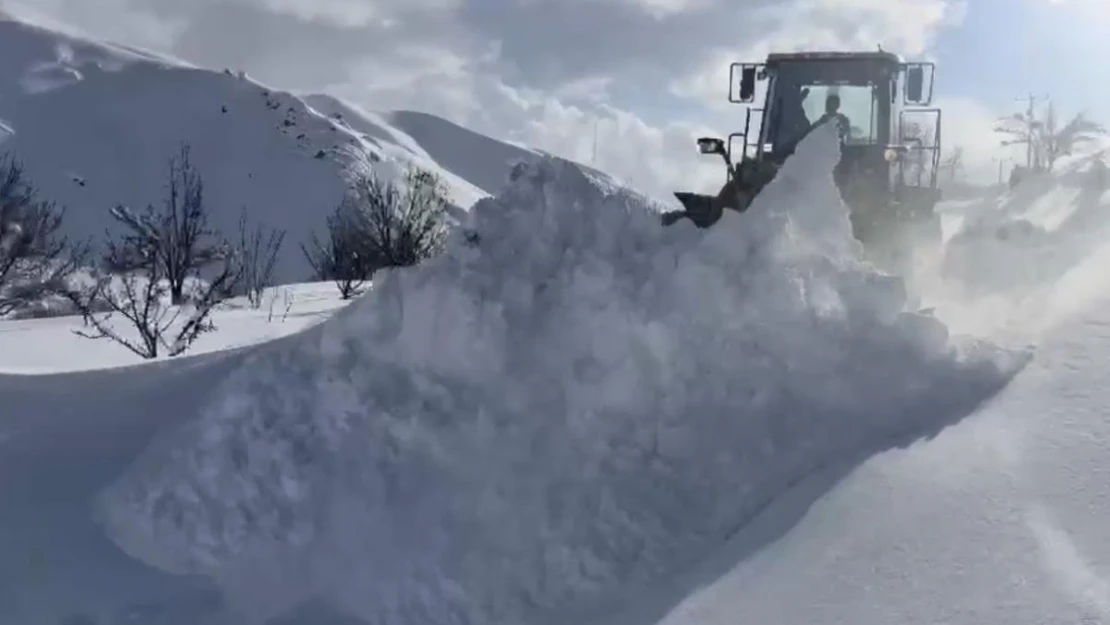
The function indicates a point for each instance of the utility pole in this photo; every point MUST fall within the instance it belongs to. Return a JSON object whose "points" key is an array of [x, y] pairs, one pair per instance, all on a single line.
{"points": [[1029, 127]]}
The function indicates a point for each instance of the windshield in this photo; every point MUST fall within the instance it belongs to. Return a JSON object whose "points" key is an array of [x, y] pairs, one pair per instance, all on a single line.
{"points": [[857, 104], [801, 93]]}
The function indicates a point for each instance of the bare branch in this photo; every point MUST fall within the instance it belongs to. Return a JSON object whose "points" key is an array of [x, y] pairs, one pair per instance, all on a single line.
{"points": [[139, 300], [36, 261], [341, 258], [258, 251], [147, 271], [381, 224], [177, 234]]}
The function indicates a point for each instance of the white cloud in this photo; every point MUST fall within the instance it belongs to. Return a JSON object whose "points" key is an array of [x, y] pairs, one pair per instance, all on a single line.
{"points": [[551, 73], [353, 13], [140, 28]]}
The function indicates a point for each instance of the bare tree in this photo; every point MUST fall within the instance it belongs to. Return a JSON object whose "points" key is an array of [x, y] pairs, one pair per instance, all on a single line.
{"points": [[36, 261], [257, 251], [1057, 140], [177, 236], [406, 224], [381, 224], [164, 274], [141, 295], [342, 257], [1045, 139]]}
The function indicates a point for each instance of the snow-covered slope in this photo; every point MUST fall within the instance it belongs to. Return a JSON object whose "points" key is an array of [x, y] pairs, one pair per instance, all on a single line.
{"points": [[474, 156], [95, 125], [478, 159], [536, 427]]}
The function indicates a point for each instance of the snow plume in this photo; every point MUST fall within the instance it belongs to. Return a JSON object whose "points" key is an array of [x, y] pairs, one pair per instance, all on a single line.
{"points": [[570, 402]]}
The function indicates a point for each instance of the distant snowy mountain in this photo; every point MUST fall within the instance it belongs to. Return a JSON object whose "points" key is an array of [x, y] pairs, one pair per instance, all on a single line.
{"points": [[474, 157], [478, 158], [95, 125]]}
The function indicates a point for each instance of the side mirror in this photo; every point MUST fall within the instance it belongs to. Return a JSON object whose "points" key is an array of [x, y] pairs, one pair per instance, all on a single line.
{"points": [[711, 145], [749, 74], [747, 84], [915, 84]]}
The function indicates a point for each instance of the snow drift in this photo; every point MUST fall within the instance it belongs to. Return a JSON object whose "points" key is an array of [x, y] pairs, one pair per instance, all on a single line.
{"points": [[1017, 265], [1033, 234], [571, 402]]}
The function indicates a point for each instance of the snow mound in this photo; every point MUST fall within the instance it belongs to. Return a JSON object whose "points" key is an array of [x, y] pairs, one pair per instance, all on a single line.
{"points": [[1033, 235], [571, 402]]}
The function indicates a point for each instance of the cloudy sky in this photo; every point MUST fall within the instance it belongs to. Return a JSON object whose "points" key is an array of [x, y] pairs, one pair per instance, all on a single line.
{"points": [[646, 75]]}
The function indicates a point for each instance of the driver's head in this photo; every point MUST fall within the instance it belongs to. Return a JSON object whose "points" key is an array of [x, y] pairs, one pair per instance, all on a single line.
{"points": [[832, 103]]}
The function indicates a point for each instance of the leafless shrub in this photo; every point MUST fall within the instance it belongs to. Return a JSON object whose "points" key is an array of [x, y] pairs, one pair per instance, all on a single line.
{"points": [[36, 261], [152, 273], [380, 224], [257, 250]]}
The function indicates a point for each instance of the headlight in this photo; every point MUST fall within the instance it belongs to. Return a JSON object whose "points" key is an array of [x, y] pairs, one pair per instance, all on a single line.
{"points": [[890, 155]]}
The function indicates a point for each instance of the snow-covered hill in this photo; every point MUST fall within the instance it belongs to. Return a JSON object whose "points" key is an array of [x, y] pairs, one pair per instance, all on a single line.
{"points": [[96, 123], [476, 158]]}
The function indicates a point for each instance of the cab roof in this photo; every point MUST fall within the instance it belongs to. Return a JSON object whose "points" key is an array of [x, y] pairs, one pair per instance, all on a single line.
{"points": [[870, 55]]}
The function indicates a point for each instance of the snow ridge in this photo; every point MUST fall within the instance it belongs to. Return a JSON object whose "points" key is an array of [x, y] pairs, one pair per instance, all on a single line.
{"points": [[572, 401]]}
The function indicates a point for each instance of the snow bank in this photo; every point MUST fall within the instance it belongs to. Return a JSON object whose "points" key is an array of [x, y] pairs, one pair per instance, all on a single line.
{"points": [[571, 402], [1021, 263], [1033, 234]]}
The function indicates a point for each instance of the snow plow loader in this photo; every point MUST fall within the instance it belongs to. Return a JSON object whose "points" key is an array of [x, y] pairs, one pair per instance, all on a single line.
{"points": [[890, 142]]}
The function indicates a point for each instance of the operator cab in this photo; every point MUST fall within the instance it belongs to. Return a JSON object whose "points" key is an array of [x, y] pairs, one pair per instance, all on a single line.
{"points": [[889, 142], [860, 90], [805, 89]]}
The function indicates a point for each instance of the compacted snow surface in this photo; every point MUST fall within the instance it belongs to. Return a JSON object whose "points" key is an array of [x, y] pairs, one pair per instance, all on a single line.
{"points": [[569, 405], [52, 345]]}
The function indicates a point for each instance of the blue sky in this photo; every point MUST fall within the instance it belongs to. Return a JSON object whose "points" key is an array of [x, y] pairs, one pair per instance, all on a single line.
{"points": [[1006, 49]]}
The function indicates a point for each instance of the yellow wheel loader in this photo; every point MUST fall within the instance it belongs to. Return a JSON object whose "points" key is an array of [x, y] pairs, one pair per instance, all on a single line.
{"points": [[890, 142]]}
